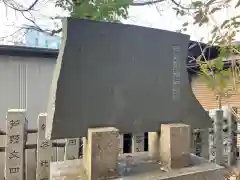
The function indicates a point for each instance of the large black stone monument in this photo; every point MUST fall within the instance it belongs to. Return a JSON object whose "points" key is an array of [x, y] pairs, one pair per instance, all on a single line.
{"points": [[130, 77]]}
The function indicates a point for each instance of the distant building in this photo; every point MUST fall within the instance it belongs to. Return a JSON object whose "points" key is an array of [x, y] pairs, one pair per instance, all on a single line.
{"points": [[38, 39]]}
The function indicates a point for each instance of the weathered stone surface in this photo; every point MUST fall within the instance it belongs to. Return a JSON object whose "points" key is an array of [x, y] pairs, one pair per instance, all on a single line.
{"points": [[175, 145], [153, 144], [137, 166], [44, 150], [138, 142], [225, 146], [72, 149], [121, 144], [124, 76], [101, 153], [16, 139], [67, 170]]}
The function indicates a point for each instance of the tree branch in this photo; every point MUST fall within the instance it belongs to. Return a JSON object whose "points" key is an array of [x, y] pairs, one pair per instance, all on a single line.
{"points": [[55, 31], [151, 2], [15, 32], [179, 5], [19, 9]]}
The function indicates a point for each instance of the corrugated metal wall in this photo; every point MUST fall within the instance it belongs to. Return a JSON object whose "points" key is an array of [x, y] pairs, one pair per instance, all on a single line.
{"points": [[24, 83], [207, 98]]}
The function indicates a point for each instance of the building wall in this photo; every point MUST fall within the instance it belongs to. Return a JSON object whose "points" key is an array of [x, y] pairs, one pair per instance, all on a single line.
{"points": [[207, 98], [25, 83], [41, 40]]}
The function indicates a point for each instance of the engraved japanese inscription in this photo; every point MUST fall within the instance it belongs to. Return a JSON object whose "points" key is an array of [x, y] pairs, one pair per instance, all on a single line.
{"points": [[124, 76]]}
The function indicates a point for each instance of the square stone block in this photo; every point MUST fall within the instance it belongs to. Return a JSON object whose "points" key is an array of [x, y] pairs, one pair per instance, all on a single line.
{"points": [[175, 142], [102, 153]]}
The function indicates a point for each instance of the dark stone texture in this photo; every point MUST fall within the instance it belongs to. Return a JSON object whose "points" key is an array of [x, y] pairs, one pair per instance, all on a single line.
{"points": [[110, 74]]}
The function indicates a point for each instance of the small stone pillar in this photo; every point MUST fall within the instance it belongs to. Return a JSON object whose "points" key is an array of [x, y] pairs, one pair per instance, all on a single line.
{"points": [[138, 142], [16, 140], [218, 136], [212, 147], [175, 144], [197, 142], [60, 150], [121, 143], [71, 149], [154, 144], [101, 153], [229, 136], [44, 150], [234, 126], [54, 152]]}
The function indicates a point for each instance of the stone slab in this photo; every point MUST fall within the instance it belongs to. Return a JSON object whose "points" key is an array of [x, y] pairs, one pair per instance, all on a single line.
{"points": [[138, 142], [44, 150], [175, 145], [124, 76], [139, 166], [72, 149], [68, 169], [101, 153], [154, 144]]}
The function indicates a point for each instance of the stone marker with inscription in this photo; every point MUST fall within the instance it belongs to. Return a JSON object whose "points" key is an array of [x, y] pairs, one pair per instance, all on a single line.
{"points": [[16, 139], [44, 150], [227, 132], [138, 142], [124, 76], [72, 149]]}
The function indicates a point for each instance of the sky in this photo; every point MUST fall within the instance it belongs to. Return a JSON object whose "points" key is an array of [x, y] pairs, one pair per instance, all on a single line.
{"points": [[159, 16]]}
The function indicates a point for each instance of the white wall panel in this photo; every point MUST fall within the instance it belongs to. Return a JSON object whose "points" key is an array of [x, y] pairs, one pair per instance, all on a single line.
{"points": [[24, 83]]}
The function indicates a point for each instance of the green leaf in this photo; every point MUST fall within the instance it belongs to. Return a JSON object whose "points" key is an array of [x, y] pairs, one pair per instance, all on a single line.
{"points": [[204, 67], [196, 4], [222, 83], [109, 10], [218, 63], [226, 73]]}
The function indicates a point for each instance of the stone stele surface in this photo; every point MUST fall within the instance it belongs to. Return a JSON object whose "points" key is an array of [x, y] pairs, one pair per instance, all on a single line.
{"points": [[124, 76], [139, 166]]}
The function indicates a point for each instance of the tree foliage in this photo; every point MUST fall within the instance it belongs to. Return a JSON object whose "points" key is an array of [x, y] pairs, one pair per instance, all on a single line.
{"points": [[105, 10], [222, 73]]}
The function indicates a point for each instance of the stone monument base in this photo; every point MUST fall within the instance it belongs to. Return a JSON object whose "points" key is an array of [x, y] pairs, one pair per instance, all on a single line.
{"points": [[139, 166]]}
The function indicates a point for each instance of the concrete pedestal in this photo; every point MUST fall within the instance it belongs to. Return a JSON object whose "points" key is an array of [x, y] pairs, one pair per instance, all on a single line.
{"points": [[139, 166]]}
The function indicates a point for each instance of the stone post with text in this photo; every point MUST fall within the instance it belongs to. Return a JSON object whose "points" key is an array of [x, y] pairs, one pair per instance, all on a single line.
{"points": [[16, 140], [44, 150]]}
